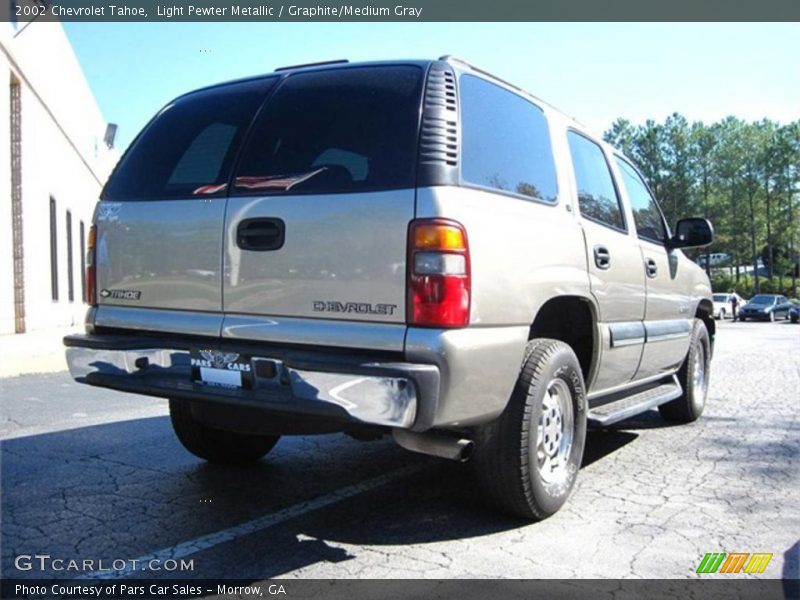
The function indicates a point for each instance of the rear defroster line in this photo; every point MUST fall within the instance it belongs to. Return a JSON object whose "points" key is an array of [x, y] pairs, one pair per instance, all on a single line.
{"points": [[224, 536]]}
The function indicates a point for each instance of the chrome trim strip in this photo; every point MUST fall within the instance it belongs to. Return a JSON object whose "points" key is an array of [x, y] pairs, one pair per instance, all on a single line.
{"points": [[658, 331], [317, 332], [185, 322], [626, 334], [638, 332]]}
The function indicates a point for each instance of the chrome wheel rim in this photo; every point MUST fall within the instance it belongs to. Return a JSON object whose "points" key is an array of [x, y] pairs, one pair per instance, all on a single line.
{"points": [[555, 432], [699, 380]]}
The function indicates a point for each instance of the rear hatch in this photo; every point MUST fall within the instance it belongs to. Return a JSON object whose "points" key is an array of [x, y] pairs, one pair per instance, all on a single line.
{"points": [[161, 220], [283, 196], [318, 214]]}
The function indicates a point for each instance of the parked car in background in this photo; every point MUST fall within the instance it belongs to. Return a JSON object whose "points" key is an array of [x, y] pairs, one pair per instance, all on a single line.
{"points": [[794, 314], [723, 305], [766, 307], [718, 259]]}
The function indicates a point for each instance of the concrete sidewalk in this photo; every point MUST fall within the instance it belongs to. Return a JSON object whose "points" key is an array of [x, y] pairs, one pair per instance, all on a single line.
{"points": [[35, 352]]}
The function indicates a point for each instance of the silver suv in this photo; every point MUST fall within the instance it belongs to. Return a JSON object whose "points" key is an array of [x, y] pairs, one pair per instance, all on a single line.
{"points": [[412, 247]]}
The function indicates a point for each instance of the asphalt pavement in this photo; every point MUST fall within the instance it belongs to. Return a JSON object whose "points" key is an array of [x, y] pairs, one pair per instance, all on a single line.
{"points": [[90, 474]]}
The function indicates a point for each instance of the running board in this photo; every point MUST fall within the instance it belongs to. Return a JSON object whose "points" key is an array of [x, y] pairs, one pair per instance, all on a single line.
{"points": [[627, 407]]}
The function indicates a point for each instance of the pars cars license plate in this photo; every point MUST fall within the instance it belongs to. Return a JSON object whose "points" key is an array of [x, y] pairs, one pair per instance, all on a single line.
{"points": [[221, 368]]}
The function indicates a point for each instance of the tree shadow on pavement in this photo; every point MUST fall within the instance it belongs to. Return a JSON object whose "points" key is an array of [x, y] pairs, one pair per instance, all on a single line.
{"points": [[127, 489]]}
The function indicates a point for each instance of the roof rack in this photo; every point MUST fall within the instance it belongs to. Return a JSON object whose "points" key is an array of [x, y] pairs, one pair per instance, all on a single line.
{"points": [[313, 64], [452, 58]]}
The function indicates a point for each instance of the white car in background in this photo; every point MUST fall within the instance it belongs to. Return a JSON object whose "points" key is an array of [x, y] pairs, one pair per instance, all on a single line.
{"points": [[718, 259], [723, 305]]}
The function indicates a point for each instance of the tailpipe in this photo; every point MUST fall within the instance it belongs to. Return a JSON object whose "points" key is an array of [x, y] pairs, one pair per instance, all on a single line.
{"points": [[435, 444]]}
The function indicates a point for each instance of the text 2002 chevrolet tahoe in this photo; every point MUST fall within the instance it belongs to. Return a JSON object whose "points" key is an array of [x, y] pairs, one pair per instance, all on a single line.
{"points": [[412, 246]]}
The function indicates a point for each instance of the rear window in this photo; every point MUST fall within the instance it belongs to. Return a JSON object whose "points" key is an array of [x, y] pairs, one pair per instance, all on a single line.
{"points": [[506, 143], [188, 149], [343, 130]]}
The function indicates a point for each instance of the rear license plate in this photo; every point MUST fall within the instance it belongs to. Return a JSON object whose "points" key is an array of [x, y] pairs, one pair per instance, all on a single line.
{"points": [[221, 369]]}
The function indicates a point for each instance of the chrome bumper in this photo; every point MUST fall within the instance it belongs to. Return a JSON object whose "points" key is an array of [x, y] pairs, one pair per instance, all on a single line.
{"points": [[375, 393]]}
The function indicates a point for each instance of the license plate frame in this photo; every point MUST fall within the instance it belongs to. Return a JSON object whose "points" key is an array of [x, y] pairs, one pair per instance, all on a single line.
{"points": [[221, 369]]}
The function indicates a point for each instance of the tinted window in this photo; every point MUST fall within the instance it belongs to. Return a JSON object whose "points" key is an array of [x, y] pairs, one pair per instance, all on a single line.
{"points": [[646, 214], [505, 141], [597, 196], [343, 130], [189, 147]]}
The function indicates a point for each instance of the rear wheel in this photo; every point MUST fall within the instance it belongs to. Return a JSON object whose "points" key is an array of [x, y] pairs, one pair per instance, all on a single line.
{"points": [[693, 377], [216, 445], [527, 459]]}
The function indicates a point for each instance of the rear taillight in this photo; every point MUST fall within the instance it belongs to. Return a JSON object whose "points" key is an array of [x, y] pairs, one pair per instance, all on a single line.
{"points": [[438, 274], [91, 288]]}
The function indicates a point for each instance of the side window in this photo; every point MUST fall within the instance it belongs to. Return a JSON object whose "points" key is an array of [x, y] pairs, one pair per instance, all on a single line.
{"points": [[646, 214], [597, 196], [505, 141], [188, 148]]}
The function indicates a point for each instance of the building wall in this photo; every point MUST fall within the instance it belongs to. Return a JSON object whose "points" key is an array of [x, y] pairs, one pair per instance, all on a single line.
{"points": [[6, 258], [63, 157]]}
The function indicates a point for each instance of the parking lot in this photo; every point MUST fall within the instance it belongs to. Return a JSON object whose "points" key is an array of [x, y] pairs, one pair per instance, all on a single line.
{"points": [[93, 474]]}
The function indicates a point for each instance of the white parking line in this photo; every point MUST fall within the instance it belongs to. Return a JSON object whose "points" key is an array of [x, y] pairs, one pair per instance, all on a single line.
{"points": [[211, 540]]}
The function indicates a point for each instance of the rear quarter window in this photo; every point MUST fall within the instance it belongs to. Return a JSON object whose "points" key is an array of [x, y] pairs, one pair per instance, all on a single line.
{"points": [[188, 149], [505, 141]]}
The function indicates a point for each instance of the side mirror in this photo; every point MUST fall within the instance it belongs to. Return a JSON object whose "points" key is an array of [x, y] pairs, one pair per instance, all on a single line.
{"points": [[692, 233]]}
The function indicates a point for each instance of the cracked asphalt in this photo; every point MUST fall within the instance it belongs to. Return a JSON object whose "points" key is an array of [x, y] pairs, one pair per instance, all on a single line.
{"points": [[95, 474]]}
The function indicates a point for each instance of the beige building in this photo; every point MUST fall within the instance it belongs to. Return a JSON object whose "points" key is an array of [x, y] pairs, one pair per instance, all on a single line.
{"points": [[53, 164]]}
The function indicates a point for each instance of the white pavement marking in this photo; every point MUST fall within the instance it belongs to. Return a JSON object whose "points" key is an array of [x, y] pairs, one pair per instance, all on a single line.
{"points": [[211, 540]]}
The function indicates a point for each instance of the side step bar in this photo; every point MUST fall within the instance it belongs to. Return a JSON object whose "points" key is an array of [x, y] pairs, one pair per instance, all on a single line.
{"points": [[627, 407]]}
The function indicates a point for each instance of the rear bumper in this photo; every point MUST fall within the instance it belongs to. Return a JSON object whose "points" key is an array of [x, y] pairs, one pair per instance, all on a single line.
{"points": [[336, 387]]}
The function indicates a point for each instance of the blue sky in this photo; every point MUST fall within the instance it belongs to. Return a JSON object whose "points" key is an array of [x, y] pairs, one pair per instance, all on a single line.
{"points": [[592, 71]]}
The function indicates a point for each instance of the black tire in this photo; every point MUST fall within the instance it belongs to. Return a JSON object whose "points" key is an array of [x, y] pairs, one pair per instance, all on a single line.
{"points": [[216, 445], [690, 405], [742, 319], [507, 460]]}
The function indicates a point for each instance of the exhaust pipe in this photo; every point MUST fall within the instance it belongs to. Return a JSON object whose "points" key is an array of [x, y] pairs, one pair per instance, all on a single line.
{"points": [[435, 444]]}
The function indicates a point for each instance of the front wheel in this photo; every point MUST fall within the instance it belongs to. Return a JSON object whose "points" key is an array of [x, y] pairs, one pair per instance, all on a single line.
{"points": [[693, 377], [216, 445], [526, 461]]}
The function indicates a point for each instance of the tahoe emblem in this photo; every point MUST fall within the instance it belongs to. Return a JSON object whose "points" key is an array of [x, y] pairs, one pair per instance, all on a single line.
{"points": [[121, 294], [361, 308]]}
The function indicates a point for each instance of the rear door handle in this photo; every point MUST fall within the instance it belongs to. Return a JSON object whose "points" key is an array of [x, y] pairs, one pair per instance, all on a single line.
{"points": [[261, 235], [650, 267], [602, 257]]}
